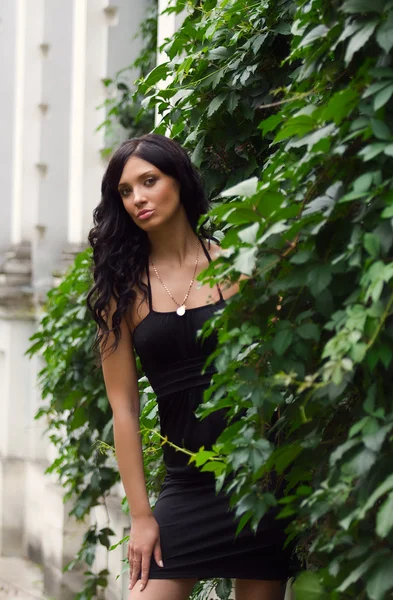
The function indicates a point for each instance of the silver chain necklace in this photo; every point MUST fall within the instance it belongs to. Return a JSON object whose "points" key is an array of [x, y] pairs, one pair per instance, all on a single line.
{"points": [[181, 308]]}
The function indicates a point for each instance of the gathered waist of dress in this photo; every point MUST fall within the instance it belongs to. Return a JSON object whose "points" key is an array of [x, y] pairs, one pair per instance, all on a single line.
{"points": [[181, 375]]}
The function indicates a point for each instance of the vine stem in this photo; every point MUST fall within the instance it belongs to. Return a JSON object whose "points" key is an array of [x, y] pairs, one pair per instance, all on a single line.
{"points": [[381, 322], [178, 448], [286, 101]]}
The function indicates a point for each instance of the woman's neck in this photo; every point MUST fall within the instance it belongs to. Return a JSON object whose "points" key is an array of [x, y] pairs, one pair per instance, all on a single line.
{"points": [[173, 245]]}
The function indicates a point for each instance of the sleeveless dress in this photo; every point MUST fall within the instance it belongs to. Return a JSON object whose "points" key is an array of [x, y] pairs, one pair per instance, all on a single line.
{"points": [[197, 527]]}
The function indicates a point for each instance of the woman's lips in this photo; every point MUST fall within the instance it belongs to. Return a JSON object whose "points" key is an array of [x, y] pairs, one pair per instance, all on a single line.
{"points": [[145, 214]]}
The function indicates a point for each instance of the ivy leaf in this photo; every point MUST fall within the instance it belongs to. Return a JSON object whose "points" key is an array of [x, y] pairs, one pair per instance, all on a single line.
{"points": [[224, 588], [359, 40], [215, 104], [374, 440], [374, 88], [278, 227], [302, 256], [307, 586], [360, 464], [372, 244], [316, 136], [387, 213], [214, 79], [243, 522], [382, 97], [380, 580], [79, 418], [315, 34], [270, 123], [282, 341], [363, 183], [318, 279], [308, 331], [219, 53], [372, 150], [158, 73], [363, 6], [385, 34], [239, 216], [245, 261], [245, 188], [285, 455], [385, 517], [340, 105], [197, 155], [120, 542], [249, 235], [358, 572], [258, 41], [380, 129], [350, 28], [382, 489], [232, 102], [296, 126], [340, 450], [202, 457], [325, 203]]}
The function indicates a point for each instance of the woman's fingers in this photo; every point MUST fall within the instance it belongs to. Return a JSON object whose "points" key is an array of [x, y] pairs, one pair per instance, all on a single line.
{"points": [[130, 559], [146, 557], [158, 554], [135, 569]]}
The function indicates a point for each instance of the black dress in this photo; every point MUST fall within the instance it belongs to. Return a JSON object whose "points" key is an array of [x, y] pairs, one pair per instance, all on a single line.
{"points": [[197, 529]]}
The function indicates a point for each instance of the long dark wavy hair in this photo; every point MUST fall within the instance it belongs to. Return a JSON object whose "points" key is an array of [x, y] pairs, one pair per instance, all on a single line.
{"points": [[120, 247]]}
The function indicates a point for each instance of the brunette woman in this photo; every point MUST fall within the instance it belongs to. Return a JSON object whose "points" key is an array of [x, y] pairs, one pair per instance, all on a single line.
{"points": [[147, 256]]}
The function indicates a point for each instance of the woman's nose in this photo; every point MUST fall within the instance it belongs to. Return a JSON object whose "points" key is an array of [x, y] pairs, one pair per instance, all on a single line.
{"points": [[139, 198]]}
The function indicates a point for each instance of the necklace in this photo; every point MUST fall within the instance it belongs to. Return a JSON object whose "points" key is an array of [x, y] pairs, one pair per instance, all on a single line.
{"points": [[181, 308]]}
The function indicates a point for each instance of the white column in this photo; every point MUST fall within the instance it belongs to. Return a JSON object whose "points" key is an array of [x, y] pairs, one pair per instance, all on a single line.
{"points": [[53, 164], [27, 118], [96, 52], [76, 149], [8, 27], [167, 26], [17, 166], [14, 429]]}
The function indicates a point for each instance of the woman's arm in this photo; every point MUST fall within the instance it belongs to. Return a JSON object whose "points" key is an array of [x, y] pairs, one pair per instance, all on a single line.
{"points": [[121, 384]]}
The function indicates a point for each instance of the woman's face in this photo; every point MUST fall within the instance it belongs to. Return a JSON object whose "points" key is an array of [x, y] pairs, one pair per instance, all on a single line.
{"points": [[150, 197]]}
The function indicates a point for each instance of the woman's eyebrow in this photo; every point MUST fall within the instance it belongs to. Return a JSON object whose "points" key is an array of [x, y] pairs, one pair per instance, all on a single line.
{"points": [[123, 183]]}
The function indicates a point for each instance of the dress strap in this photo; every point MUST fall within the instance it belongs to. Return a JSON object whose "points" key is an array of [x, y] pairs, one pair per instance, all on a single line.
{"points": [[209, 258], [149, 296]]}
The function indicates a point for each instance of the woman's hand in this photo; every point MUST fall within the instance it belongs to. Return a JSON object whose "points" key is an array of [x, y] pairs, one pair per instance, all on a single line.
{"points": [[144, 541]]}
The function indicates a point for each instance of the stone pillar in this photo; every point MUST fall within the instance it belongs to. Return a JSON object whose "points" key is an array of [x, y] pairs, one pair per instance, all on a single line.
{"points": [[8, 29], [19, 141], [56, 47], [14, 378], [111, 515]]}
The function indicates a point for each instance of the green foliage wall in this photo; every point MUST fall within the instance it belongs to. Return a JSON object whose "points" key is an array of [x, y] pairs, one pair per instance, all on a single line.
{"points": [[291, 102]]}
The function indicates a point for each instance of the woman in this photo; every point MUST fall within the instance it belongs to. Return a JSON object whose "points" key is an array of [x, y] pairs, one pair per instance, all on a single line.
{"points": [[147, 256]]}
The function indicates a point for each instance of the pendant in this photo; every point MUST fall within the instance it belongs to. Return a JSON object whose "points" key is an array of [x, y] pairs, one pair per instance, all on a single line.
{"points": [[181, 310]]}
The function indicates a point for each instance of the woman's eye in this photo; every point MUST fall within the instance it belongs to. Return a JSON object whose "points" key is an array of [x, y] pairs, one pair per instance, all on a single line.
{"points": [[151, 181], [125, 192]]}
